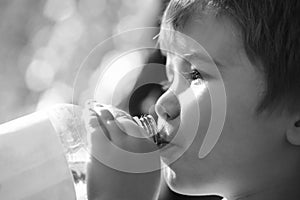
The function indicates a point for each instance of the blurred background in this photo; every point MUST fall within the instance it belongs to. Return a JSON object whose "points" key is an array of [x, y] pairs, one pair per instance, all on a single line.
{"points": [[44, 42]]}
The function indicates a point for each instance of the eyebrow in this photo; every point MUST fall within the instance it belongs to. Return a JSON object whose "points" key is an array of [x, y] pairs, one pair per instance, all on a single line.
{"points": [[207, 59], [166, 42]]}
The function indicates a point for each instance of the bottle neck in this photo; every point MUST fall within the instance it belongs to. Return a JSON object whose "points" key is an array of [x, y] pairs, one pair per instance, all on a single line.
{"points": [[147, 122]]}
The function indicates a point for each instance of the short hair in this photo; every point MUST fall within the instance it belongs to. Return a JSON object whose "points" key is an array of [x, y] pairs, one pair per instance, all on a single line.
{"points": [[270, 31]]}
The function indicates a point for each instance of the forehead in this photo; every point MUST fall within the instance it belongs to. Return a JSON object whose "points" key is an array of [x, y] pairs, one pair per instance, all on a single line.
{"points": [[217, 37]]}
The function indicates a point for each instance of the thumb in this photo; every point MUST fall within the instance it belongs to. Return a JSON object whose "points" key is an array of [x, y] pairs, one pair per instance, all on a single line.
{"points": [[131, 128]]}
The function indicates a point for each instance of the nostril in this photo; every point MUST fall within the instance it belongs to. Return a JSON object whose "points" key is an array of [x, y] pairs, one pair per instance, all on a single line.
{"points": [[168, 116], [165, 116], [160, 111], [168, 106], [164, 113]]}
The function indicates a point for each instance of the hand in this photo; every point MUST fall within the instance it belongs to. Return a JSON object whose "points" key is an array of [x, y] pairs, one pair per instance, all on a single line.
{"points": [[105, 178]]}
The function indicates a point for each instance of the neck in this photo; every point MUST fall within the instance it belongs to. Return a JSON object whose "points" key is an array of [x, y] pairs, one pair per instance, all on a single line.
{"points": [[284, 190]]}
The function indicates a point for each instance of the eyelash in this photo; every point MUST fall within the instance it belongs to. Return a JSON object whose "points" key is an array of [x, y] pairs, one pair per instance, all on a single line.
{"points": [[193, 75]]}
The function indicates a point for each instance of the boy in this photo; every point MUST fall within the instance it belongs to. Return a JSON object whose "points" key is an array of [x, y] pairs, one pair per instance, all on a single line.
{"points": [[255, 45]]}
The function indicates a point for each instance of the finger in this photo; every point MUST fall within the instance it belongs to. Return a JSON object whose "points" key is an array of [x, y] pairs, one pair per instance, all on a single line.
{"points": [[92, 104], [105, 114], [122, 122], [131, 128], [123, 126], [94, 122], [109, 124]]}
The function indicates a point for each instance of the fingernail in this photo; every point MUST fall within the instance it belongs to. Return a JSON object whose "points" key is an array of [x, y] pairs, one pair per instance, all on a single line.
{"points": [[106, 114], [92, 103], [95, 122], [103, 127]]}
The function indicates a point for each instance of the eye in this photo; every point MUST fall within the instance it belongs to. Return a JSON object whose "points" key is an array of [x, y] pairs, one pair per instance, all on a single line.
{"points": [[195, 75]]}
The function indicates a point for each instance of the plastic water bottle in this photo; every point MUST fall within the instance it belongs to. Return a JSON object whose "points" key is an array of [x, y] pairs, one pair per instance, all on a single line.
{"points": [[147, 122], [69, 125], [33, 164], [40, 150]]}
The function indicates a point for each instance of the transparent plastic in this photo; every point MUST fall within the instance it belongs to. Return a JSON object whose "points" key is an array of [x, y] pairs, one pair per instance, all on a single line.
{"points": [[147, 122], [69, 125]]}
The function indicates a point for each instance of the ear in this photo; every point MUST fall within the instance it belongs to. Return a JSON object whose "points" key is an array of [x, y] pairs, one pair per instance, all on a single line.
{"points": [[293, 132]]}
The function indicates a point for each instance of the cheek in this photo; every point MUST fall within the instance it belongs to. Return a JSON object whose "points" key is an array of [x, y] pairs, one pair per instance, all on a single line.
{"points": [[242, 130], [192, 175], [189, 168], [248, 146], [240, 140], [244, 90], [196, 119]]}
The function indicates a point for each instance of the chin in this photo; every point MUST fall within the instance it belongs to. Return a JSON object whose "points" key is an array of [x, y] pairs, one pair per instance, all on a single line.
{"points": [[171, 179], [177, 183], [183, 189], [180, 183], [191, 191]]}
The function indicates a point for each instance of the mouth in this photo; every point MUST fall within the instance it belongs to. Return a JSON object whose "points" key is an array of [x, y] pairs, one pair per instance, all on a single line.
{"points": [[166, 132], [162, 143], [162, 138]]}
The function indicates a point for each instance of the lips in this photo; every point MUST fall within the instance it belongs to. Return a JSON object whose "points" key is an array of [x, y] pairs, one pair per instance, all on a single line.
{"points": [[163, 138], [166, 132], [162, 143]]}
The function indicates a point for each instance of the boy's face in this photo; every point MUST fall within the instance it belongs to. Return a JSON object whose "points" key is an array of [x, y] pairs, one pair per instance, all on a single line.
{"points": [[251, 147]]}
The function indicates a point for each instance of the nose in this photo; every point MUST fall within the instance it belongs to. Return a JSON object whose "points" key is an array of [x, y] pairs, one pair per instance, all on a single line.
{"points": [[168, 106]]}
